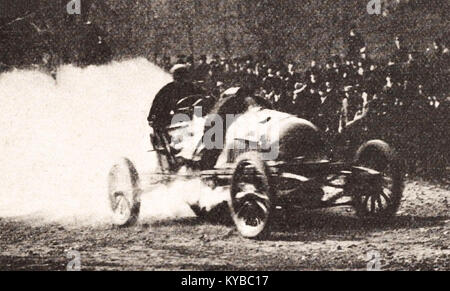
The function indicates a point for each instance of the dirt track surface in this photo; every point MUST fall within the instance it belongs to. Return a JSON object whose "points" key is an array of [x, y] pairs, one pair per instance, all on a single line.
{"points": [[418, 239]]}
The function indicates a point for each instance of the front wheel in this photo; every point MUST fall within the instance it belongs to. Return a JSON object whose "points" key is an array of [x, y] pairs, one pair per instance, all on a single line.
{"points": [[124, 193], [377, 197], [251, 196]]}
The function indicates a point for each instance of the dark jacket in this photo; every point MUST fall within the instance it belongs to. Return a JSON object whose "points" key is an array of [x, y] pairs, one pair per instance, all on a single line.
{"points": [[166, 99]]}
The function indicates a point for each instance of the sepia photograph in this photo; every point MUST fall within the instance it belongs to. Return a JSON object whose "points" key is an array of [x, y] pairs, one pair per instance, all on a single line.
{"points": [[224, 135]]}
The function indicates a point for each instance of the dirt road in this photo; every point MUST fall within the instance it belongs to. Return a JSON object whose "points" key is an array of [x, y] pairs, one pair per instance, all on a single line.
{"points": [[418, 239]]}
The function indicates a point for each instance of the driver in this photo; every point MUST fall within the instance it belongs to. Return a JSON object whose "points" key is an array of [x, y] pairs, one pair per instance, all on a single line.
{"points": [[160, 117], [166, 99]]}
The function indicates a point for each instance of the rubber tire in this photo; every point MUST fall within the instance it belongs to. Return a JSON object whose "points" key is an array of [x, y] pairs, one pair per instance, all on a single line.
{"points": [[381, 155], [253, 158], [128, 189]]}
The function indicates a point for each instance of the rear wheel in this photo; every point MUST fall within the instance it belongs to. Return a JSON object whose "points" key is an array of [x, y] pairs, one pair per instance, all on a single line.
{"points": [[251, 196], [377, 196], [124, 193]]}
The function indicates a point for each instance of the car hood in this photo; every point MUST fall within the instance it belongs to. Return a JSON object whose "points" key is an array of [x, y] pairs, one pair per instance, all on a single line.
{"points": [[275, 134]]}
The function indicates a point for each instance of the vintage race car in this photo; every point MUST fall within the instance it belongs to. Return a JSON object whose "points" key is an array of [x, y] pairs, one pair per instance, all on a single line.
{"points": [[267, 159]]}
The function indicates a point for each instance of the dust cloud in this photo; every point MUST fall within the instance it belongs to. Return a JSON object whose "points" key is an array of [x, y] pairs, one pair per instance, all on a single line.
{"points": [[60, 138]]}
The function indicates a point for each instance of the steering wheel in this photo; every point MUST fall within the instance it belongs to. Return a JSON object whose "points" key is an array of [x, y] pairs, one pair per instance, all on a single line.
{"points": [[187, 104]]}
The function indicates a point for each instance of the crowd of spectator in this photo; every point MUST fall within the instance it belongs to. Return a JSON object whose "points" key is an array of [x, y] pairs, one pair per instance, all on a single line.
{"points": [[404, 100]]}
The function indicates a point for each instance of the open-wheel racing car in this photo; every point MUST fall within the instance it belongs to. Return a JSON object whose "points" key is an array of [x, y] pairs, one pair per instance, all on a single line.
{"points": [[267, 160]]}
